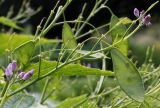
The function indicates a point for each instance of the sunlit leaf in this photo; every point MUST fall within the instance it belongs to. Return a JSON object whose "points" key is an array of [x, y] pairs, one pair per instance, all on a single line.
{"points": [[127, 76], [10, 42], [68, 37], [68, 70], [125, 20]]}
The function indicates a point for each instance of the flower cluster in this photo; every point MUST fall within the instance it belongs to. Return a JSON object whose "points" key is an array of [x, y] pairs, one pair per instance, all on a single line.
{"points": [[12, 68], [142, 18]]}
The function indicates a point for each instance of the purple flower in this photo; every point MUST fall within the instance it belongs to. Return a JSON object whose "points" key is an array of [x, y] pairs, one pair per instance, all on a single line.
{"points": [[10, 68], [28, 75], [142, 18], [8, 71], [136, 12], [147, 20]]}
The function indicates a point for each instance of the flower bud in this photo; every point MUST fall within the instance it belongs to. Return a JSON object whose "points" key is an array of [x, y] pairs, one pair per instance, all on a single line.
{"points": [[14, 65], [21, 74], [28, 75], [8, 71]]}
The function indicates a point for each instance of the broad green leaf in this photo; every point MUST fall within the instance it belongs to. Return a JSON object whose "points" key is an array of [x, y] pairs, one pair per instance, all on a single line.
{"points": [[68, 70], [11, 42], [9, 22], [72, 102], [117, 32], [24, 52], [19, 101], [127, 76], [68, 37]]}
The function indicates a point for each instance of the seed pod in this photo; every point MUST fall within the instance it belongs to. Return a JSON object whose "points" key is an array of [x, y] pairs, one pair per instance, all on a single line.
{"points": [[127, 76]]}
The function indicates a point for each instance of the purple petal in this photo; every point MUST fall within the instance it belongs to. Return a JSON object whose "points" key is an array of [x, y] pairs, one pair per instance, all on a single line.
{"points": [[21, 74], [14, 65], [8, 71], [147, 19], [136, 12], [28, 74]]}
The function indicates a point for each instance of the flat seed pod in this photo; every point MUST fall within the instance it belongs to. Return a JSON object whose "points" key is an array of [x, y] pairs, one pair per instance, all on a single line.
{"points": [[127, 76]]}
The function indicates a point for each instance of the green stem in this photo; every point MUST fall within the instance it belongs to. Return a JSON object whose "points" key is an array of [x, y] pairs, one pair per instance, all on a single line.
{"points": [[99, 84], [91, 31], [105, 93], [80, 17], [44, 90], [135, 30], [50, 16], [89, 17], [70, 55], [87, 23], [5, 94], [45, 98], [51, 25], [39, 67], [5, 88]]}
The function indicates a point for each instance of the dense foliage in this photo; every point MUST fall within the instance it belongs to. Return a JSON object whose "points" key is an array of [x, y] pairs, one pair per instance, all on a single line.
{"points": [[90, 69]]}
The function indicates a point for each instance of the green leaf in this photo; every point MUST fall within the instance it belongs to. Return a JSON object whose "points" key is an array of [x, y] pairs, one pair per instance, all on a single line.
{"points": [[117, 32], [9, 22], [88, 104], [68, 37], [24, 52], [127, 76], [11, 42], [72, 102], [19, 101], [68, 70]]}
